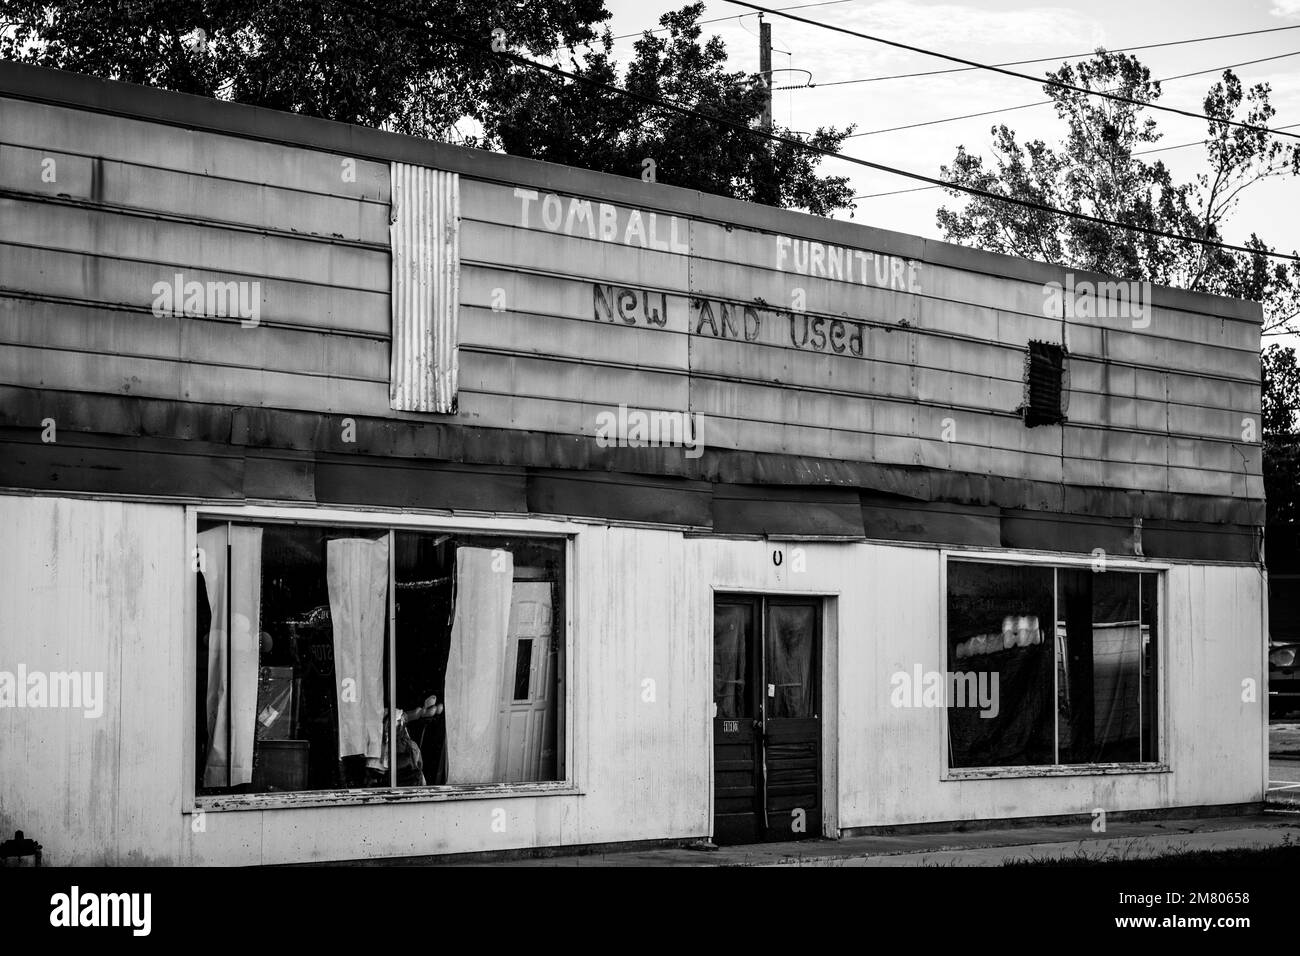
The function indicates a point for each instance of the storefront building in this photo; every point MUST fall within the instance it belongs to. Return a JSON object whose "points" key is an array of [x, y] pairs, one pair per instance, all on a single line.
{"points": [[367, 497]]}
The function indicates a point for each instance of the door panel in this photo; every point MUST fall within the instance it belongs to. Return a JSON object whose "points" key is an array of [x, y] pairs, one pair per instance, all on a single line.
{"points": [[792, 723], [526, 704], [767, 727], [735, 767]]}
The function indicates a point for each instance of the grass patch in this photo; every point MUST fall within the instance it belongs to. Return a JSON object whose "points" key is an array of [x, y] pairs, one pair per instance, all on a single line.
{"points": [[1285, 854]]}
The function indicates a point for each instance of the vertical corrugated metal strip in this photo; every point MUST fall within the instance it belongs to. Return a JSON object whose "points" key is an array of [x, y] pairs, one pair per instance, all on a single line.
{"points": [[425, 242]]}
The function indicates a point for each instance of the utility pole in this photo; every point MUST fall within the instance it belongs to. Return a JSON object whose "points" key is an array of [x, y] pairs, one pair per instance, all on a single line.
{"points": [[766, 192]]}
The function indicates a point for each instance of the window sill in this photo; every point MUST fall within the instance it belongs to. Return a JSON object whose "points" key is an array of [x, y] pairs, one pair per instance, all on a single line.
{"points": [[378, 796], [1081, 770]]}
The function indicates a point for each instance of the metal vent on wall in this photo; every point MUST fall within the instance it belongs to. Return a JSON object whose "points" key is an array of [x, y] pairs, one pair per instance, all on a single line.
{"points": [[1046, 384], [424, 238]]}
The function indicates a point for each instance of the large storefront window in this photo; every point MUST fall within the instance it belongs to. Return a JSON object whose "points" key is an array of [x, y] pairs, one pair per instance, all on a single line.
{"points": [[343, 658], [1069, 655]]}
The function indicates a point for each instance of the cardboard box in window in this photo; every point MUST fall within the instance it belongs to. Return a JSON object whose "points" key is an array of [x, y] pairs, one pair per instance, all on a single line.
{"points": [[275, 692], [280, 765]]}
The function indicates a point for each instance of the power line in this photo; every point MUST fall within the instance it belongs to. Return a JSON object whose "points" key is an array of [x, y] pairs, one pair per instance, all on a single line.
{"points": [[1041, 59], [823, 151], [1042, 81], [1144, 152], [1025, 106], [896, 192], [1231, 66], [739, 16], [920, 177], [948, 119], [1161, 149]]}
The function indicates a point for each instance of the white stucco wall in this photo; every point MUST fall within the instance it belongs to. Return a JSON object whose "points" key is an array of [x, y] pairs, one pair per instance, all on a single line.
{"points": [[100, 586]]}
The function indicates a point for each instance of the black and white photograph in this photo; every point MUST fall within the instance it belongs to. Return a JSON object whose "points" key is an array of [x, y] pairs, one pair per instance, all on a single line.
{"points": [[540, 459]]}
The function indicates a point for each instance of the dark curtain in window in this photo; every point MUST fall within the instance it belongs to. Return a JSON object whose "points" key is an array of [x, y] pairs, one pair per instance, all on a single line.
{"points": [[731, 627], [790, 660], [985, 602]]}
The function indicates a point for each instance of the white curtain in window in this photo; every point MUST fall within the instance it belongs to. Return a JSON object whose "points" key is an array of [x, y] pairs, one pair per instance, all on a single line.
{"points": [[484, 579], [232, 665], [356, 572]]}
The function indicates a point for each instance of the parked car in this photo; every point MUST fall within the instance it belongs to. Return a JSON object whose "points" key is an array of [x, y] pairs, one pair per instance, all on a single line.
{"points": [[1283, 678]]}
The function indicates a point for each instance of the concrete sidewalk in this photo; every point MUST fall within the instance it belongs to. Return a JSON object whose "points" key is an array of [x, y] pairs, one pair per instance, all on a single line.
{"points": [[1121, 840]]}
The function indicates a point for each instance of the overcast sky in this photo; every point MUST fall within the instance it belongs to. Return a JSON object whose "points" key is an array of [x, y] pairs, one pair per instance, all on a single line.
{"points": [[995, 31]]}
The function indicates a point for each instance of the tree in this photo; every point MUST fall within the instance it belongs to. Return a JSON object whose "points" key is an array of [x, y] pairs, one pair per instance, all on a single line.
{"points": [[424, 67], [1281, 406], [378, 64], [1096, 170], [1281, 434], [581, 125]]}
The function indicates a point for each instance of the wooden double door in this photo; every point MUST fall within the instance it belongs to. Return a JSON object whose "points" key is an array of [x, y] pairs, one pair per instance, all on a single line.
{"points": [[767, 735]]}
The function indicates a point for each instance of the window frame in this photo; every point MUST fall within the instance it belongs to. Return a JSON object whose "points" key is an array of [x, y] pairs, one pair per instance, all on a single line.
{"points": [[1057, 560], [391, 521]]}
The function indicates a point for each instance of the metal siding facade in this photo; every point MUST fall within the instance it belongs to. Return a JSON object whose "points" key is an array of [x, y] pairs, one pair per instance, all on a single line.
{"points": [[570, 311], [425, 238]]}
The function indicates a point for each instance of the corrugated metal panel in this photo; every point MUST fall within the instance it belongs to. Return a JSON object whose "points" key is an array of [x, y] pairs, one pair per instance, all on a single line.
{"points": [[425, 237]]}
